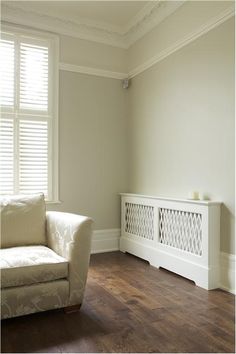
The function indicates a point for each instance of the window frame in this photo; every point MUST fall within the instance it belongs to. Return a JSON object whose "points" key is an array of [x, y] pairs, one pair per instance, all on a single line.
{"points": [[53, 93]]}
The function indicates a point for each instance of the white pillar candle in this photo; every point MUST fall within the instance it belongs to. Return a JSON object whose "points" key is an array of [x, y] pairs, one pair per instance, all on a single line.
{"points": [[193, 195]]}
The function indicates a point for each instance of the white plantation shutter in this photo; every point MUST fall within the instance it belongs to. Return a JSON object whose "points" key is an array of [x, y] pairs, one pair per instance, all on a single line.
{"points": [[28, 116], [6, 156], [33, 157], [33, 77], [7, 74]]}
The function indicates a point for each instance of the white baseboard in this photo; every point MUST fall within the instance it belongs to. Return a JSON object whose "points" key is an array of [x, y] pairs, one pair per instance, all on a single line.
{"points": [[105, 240], [227, 272], [109, 240]]}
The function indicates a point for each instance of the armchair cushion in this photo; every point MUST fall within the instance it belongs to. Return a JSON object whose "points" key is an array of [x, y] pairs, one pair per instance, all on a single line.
{"points": [[23, 220], [30, 265]]}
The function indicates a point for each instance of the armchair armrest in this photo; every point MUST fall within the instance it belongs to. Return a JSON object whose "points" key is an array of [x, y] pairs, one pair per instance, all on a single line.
{"points": [[69, 235]]}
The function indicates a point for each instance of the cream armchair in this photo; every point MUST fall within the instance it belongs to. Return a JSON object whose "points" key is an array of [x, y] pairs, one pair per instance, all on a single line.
{"points": [[69, 235], [44, 257]]}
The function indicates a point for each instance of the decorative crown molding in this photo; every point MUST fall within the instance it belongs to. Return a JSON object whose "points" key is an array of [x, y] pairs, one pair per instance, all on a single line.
{"points": [[185, 40], [150, 19], [57, 25], [123, 37]]}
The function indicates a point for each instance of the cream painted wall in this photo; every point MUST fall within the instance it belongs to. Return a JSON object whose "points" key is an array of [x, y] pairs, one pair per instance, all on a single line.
{"points": [[96, 55], [92, 147], [181, 125], [181, 130]]}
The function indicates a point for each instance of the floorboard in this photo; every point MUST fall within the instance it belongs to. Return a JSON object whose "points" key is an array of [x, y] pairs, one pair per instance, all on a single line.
{"points": [[130, 306]]}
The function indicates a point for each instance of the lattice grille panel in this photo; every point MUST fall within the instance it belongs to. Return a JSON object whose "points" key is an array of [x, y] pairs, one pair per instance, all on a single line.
{"points": [[180, 229], [139, 220]]}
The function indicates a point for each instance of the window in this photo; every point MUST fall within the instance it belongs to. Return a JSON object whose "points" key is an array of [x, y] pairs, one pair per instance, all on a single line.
{"points": [[28, 123]]}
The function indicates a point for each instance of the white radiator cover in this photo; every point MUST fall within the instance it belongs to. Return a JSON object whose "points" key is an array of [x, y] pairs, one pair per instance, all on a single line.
{"points": [[182, 236]]}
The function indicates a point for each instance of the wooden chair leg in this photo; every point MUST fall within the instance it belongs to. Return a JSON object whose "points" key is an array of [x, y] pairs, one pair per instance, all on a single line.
{"points": [[71, 309]]}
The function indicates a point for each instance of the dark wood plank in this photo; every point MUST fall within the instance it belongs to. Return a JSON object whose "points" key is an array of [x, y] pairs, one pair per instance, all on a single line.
{"points": [[130, 306]]}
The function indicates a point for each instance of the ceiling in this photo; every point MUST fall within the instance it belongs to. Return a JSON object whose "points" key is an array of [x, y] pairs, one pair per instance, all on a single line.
{"points": [[118, 23], [110, 13]]}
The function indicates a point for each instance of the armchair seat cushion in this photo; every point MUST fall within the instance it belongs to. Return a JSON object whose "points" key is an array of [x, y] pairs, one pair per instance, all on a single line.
{"points": [[29, 265]]}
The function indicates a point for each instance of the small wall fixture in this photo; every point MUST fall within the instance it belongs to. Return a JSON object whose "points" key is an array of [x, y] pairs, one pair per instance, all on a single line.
{"points": [[125, 83]]}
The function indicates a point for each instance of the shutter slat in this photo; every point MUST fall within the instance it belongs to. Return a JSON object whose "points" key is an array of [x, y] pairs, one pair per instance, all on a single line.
{"points": [[33, 156], [33, 77], [7, 58], [7, 156]]}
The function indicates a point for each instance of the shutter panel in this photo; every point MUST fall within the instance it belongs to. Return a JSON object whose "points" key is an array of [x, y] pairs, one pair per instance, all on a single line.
{"points": [[29, 114], [6, 156], [33, 77], [33, 156], [7, 76]]}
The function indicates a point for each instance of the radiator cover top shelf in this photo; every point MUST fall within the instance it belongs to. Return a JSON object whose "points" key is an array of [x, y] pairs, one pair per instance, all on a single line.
{"points": [[180, 235]]}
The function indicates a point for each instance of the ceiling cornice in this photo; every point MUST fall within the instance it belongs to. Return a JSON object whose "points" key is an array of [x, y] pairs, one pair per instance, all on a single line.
{"points": [[182, 42], [53, 24], [146, 10], [185, 40], [150, 19], [146, 19]]}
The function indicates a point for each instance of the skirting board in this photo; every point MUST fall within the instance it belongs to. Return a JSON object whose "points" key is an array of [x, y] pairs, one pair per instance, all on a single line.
{"points": [[105, 240], [227, 272], [109, 240]]}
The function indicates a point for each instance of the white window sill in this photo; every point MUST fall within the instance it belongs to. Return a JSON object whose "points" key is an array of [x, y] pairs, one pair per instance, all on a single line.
{"points": [[53, 202]]}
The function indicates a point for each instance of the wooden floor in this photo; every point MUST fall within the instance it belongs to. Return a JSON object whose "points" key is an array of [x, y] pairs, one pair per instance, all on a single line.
{"points": [[130, 306]]}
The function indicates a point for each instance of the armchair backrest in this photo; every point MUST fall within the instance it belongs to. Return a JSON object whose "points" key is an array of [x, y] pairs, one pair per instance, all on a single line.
{"points": [[22, 220]]}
